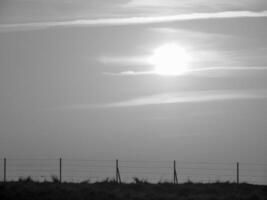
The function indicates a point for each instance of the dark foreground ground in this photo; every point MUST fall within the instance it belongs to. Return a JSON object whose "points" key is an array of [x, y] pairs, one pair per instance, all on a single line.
{"points": [[109, 190]]}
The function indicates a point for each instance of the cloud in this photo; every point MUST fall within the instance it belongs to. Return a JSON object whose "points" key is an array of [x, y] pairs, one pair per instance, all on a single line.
{"points": [[195, 5], [150, 3], [129, 73], [177, 98], [190, 71], [231, 68], [131, 20]]}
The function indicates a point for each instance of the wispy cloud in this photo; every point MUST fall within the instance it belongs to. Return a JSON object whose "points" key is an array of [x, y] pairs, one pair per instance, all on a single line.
{"points": [[129, 73], [212, 4], [131, 20], [177, 98], [190, 71]]}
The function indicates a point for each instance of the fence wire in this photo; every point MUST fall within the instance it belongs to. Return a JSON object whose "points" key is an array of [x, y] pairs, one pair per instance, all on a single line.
{"points": [[78, 170]]}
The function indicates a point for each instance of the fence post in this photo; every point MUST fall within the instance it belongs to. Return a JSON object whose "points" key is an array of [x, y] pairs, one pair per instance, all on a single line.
{"points": [[118, 177], [60, 170], [175, 179], [4, 170], [237, 172]]}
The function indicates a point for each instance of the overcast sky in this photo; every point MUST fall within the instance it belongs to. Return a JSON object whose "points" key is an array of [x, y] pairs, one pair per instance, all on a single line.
{"points": [[74, 81]]}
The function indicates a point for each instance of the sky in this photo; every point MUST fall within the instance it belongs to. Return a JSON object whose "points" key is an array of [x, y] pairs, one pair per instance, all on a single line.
{"points": [[75, 81]]}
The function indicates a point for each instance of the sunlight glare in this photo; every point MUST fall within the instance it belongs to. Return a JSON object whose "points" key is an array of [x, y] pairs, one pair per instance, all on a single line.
{"points": [[170, 59]]}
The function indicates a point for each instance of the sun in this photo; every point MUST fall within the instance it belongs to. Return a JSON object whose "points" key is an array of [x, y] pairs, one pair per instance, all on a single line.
{"points": [[170, 59]]}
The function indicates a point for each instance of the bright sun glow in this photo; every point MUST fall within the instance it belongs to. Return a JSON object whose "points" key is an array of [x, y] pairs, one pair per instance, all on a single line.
{"points": [[170, 59]]}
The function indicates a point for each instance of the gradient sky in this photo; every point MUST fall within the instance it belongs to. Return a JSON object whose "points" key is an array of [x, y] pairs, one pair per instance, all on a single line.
{"points": [[74, 83]]}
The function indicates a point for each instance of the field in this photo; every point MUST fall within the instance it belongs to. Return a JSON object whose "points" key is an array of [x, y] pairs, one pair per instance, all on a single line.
{"points": [[139, 190]]}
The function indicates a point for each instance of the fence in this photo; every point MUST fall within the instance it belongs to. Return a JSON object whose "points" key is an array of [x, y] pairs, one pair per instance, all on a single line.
{"points": [[77, 170]]}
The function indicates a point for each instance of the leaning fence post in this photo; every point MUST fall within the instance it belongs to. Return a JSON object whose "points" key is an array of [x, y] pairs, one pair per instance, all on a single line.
{"points": [[237, 172], [175, 179], [118, 177], [4, 170], [60, 170]]}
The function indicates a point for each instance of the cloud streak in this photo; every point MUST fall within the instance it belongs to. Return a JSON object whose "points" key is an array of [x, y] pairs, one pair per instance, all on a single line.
{"points": [[215, 4], [177, 98], [193, 71], [132, 20], [129, 73]]}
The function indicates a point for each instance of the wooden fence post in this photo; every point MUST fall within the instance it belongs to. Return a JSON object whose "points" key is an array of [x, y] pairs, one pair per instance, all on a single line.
{"points": [[4, 170], [118, 177], [60, 170], [175, 178], [237, 172]]}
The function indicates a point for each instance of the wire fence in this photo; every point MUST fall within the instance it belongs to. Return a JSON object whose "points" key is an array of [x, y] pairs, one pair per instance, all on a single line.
{"points": [[78, 170]]}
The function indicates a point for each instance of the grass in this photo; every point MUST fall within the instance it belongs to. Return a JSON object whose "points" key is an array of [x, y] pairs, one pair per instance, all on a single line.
{"points": [[139, 190]]}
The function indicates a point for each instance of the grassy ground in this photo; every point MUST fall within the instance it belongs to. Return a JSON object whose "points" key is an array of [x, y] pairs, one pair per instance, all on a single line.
{"points": [[109, 190]]}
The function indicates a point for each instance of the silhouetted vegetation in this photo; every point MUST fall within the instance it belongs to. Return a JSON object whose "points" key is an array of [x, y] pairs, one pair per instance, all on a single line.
{"points": [[55, 179], [139, 190]]}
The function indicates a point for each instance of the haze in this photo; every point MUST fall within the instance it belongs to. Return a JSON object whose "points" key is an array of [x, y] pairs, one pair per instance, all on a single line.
{"points": [[74, 81]]}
